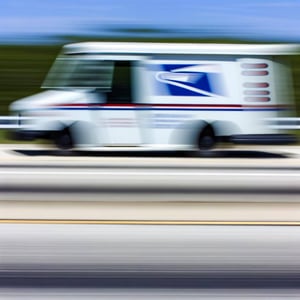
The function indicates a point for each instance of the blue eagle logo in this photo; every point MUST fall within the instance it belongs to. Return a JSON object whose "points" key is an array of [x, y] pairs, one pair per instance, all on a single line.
{"points": [[192, 80]]}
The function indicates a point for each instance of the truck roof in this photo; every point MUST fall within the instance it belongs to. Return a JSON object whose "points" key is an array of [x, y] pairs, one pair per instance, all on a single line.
{"points": [[137, 48]]}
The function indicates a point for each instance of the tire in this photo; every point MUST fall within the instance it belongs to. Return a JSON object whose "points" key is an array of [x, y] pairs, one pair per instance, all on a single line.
{"points": [[63, 139], [207, 139], [205, 143]]}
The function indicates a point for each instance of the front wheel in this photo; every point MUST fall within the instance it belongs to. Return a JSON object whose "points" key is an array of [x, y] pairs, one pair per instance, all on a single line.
{"points": [[63, 139]]}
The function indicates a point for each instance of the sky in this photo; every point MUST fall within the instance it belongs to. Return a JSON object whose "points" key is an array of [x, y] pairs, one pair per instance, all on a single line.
{"points": [[255, 19]]}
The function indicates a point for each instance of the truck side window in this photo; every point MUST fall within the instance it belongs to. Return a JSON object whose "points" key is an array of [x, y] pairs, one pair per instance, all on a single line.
{"points": [[121, 92], [76, 72]]}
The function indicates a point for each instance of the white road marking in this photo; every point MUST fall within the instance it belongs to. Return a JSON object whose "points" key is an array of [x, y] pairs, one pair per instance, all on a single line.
{"points": [[148, 222], [157, 173]]}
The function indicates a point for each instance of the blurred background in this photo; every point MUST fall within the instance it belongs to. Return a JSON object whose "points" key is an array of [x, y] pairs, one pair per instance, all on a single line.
{"points": [[219, 261], [32, 32]]}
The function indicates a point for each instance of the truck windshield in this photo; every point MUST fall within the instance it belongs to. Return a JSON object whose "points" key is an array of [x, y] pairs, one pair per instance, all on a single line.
{"points": [[79, 72]]}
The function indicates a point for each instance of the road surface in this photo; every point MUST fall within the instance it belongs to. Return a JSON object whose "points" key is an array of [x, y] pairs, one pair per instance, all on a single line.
{"points": [[149, 256], [167, 187], [103, 223]]}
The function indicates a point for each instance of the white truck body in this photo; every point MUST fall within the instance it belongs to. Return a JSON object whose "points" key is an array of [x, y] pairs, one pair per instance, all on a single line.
{"points": [[160, 96]]}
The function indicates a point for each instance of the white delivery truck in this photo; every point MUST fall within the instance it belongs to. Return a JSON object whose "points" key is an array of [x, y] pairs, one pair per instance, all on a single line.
{"points": [[108, 95]]}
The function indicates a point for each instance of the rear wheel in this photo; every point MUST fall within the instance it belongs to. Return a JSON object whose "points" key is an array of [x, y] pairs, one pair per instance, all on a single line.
{"points": [[206, 142]]}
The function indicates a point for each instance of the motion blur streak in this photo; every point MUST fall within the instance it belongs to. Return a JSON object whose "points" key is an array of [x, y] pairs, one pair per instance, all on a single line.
{"points": [[149, 256], [138, 294]]}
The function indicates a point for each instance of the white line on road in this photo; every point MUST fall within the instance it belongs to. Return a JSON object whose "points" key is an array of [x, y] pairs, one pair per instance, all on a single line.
{"points": [[158, 173]]}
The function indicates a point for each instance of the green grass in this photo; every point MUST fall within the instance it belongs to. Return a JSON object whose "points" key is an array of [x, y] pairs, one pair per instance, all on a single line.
{"points": [[6, 139], [22, 70], [3, 136]]}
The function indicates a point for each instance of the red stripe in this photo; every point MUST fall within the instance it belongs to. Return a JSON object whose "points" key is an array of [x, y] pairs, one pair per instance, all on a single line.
{"points": [[197, 105], [75, 104], [171, 105]]}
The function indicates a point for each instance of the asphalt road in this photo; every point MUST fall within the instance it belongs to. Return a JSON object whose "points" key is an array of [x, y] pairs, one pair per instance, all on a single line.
{"points": [[102, 221], [149, 256], [147, 294]]}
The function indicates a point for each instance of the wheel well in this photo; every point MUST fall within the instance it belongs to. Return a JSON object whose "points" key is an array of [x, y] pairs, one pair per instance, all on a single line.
{"points": [[208, 129], [80, 132]]}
